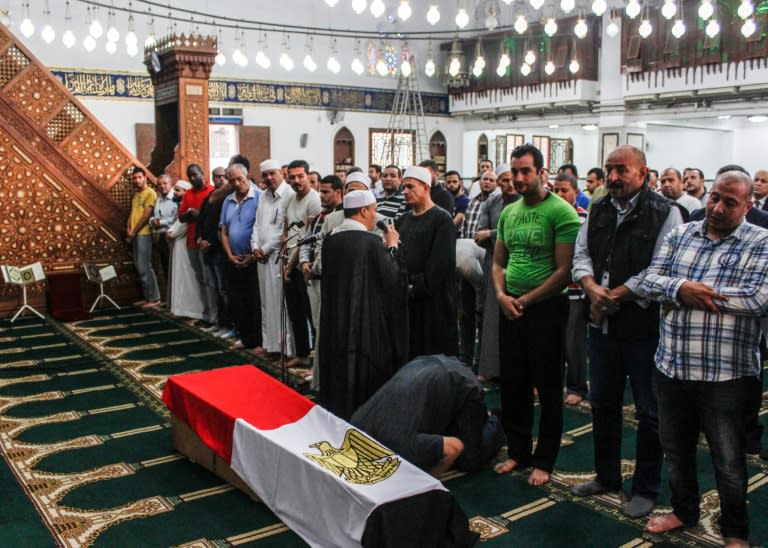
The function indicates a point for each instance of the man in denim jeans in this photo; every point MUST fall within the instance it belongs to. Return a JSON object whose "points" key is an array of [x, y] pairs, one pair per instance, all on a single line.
{"points": [[711, 278], [139, 234]]}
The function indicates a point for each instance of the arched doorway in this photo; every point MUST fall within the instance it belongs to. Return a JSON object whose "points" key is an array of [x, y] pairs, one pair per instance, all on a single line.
{"points": [[437, 148], [482, 148], [343, 150]]}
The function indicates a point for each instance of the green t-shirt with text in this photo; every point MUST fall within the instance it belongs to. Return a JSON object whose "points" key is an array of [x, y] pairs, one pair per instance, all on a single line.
{"points": [[530, 234]]}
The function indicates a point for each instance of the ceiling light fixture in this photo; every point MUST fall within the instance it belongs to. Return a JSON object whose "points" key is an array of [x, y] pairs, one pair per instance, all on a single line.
{"points": [[521, 25], [633, 9], [358, 6], [599, 7], [749, 27], [462, 18], [433, 14], [706, 9], [678, 29], [746, 9], [580, 29], [550, 28], [378, 8], [669, 9], [404, 11]]}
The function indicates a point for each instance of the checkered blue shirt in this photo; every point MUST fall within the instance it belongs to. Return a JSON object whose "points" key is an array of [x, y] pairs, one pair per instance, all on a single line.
{"points": [[699, 345]]}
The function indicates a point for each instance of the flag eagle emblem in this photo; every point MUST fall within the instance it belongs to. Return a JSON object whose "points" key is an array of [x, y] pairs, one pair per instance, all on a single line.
{"points": [[359, 460]]}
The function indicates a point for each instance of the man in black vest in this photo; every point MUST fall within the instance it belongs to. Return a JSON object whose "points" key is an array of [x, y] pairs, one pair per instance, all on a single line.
{"points": [[623, 232]]}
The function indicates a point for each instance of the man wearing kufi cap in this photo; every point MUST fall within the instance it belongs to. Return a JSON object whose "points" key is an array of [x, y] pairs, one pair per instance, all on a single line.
{"points": [[363, 312], [357, 180], [440, 196], [429, 246], [265, 245]]}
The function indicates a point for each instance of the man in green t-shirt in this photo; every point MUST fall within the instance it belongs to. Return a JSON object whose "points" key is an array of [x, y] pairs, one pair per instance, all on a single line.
{"points": [[531, 268], [139, 234]]}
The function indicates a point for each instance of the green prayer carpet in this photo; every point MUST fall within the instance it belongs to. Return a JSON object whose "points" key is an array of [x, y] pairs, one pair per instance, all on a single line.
{"points": [[88, 458]]}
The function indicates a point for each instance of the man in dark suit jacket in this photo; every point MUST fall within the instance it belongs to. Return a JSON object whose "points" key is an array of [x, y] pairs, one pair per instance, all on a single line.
{"points": [[760, 190]]}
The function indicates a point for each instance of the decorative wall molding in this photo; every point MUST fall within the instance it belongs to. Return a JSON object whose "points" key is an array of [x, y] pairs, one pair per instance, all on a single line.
{"points": [[129, 85]]}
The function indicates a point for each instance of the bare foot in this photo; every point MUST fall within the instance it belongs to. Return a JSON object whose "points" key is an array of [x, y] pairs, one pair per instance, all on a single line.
{"points": [[538, 477], [258, 351], [142, 302], [505, 467], [483, 378], [664, 522], [151, 304], [572, 399], [732, 542], [298, 361]]}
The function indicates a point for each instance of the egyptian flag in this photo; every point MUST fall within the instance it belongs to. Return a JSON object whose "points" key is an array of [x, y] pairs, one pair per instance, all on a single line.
{"points": [[329, 482]]}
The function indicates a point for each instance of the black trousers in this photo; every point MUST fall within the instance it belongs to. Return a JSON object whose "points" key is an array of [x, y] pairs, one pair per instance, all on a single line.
{"points": [[299, 311], [531, 355], [245, 303], [467, 321]]}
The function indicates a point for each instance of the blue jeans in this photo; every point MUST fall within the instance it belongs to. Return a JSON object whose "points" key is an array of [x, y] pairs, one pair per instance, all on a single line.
{"points": [[610, 362], [142, 259], [717, 408]]}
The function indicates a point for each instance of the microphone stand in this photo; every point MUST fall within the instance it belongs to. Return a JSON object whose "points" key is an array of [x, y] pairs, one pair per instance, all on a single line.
{"points": [[282, 258]]}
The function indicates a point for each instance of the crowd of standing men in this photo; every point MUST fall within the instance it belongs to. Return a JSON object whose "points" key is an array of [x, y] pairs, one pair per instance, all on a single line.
{"points": [[655, 279]]}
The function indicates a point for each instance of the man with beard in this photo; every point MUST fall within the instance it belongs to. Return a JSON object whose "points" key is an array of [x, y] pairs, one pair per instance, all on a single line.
{"points": [[454, 185], [615, 245], [189, 212], [139, 235], [672, 188], [391, 203], [300, 207], [265, 243], [330, 199], [531, 268], [364, 308], [693, 178]]}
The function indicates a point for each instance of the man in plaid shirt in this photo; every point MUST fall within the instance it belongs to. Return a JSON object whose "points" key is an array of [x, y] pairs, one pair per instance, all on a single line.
{"points": [[711, 277]]}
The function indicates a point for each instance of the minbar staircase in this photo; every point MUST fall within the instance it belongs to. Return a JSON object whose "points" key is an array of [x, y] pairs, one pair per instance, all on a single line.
{"points": [[65, 181]]}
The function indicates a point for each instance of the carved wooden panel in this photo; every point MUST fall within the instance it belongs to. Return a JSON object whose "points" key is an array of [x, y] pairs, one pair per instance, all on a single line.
{"points": [[96, 152], [195, 119], [34, 94], [40, 220], [11, 63], [58, 167], [64, 123]]}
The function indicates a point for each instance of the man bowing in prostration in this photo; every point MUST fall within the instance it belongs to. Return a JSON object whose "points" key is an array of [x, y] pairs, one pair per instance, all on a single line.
{"points": [[364, 308]]}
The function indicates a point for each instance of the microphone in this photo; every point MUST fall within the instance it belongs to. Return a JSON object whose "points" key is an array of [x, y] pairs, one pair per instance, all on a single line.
{"points": [[309, 239], [297, 224], [381, 225]]}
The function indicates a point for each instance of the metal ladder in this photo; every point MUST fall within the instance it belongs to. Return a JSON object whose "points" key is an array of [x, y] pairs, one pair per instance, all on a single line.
{"points": [[407, 115]]}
